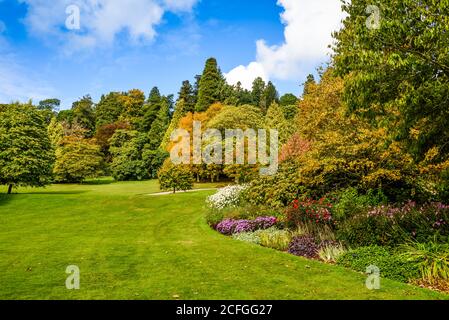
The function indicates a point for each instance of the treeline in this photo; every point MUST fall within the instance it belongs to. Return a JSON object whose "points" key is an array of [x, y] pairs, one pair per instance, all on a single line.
{"points": [[125, 134]]}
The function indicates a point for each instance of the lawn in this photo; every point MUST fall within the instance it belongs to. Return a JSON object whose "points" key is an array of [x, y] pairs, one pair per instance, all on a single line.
{"points": [[129, 245]]}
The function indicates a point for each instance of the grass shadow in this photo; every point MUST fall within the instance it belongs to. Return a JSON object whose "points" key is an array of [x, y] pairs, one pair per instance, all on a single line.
{"points": [[52, 192], [5, 198], [95, 182]]}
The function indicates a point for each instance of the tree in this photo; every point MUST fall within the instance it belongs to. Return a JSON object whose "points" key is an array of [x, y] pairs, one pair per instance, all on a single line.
{"points": [[133, 105], [187, 94], [83, 113], [288, 99], [398, 76], [126, 147], [77, 159], [26, 154], [257, 91], [175, 177], [209, 87], [105, 132], [159, 126], [269, 96], [308, 84], [109, 109], [154, 97], [275, 120], [49, 104], [179, 113]]}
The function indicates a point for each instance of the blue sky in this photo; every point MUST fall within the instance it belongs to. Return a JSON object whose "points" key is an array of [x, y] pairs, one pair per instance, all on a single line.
{"points": [[146, 43]]}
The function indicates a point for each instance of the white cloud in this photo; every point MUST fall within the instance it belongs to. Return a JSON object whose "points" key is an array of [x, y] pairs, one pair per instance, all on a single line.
{"points": [[100, 20], [308, 29]]}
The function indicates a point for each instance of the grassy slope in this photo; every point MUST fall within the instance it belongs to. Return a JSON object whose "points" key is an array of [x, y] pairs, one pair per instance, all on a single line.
{"points": [[129, 245]]}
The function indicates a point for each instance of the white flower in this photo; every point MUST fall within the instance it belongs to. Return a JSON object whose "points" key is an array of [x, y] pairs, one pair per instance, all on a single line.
{"points": [[227, 197]]}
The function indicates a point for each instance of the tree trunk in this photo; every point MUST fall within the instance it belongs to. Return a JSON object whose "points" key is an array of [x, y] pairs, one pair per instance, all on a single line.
{"points": [[10, 189], [174, 190]]}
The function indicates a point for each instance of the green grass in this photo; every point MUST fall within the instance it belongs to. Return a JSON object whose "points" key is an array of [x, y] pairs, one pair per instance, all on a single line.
{"points": [[129, 245]]}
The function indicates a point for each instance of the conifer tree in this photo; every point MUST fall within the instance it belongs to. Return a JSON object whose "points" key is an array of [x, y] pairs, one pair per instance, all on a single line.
{"points": [[209, 86]]}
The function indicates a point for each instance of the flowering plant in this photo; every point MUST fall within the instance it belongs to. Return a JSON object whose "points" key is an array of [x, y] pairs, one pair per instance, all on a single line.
{"points": [[309, 210], [231, 226], [228, 197]]}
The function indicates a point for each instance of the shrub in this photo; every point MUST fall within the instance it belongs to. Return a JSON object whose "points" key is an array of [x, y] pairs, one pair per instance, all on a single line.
{"points": [[350, 202], [251, 237], [392, 225], [309, 211], [275, 238], [391, 264], [175, 177], [331, 252], [228, 197], [304, 246], [431, 258], [320, 232], [230, 226], [214, 217]]}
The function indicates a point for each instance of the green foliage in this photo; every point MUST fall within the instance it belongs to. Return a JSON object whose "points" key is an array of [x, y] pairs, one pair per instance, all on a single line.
{"points": [[187, 94], [290, 111], [77, 159], [159, 126], [275, 120], [243, 117], [175, 177], [83, 113], [26, 153], [397, 75], [109, 109], [431, 258], [274, 238], [126, 149], [330, 253], [269, 96], [351, 202], [257, 91], [288, 99], [391, 264], [250, 237], [209, 86]]}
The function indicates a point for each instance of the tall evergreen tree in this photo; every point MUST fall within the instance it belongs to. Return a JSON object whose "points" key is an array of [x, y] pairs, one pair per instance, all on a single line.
{"points": [[257, 91], [269, 96], [187, 94], [209, 88], [309, 82], [159, 125], [154, 97]]}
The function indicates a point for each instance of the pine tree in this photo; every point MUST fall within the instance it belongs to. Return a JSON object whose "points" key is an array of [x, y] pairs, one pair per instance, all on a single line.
{"points": [[209, 87], [309, 82], [257, 92], [187, 94], [269, 96], [159, 126], [154, 97]]}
